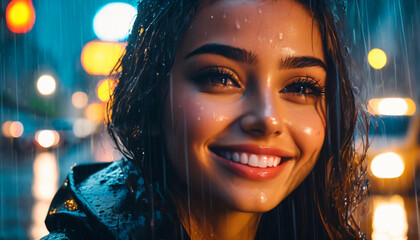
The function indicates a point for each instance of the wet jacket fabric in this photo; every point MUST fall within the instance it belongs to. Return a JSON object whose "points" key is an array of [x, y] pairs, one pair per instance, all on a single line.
{"points": [[110, 201]]}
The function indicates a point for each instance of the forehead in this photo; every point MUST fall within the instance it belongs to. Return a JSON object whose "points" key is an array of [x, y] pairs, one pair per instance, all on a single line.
{"points": [[282, 27]]}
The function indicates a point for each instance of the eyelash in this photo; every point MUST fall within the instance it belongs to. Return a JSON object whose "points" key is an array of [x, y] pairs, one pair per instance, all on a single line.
{"points": [[302, 85], [218, 73]]}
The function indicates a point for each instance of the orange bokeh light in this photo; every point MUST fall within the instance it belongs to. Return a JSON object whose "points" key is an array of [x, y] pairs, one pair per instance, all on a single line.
{"points": [[95, 112], [105, 89], [20, 16], [99, 58]]}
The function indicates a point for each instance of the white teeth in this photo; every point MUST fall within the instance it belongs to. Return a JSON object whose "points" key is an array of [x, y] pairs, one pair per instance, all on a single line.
{"points": [[263, 162], [253, 160], [244, 158], [276, 162], [270, 162], [235, 157]]}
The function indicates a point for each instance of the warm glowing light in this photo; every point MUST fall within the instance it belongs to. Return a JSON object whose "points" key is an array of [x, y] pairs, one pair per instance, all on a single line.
{"points": [[16, 129], [38, 229], [99, 58], [83, 128], [387, 165], [377, 58], [44, 186], [392, 106], [105, 89], [390, 219], [95, 112], [79, 99], [47, 138], [45, 176], [46, 84], [5, 129], [20, 16], [12, 129], [113, 21]]}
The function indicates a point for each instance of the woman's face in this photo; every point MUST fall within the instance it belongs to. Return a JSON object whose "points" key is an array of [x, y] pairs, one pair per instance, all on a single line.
{"points": [[244, 121]]}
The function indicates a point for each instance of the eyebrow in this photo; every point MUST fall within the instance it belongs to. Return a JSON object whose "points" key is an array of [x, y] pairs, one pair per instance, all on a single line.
{"points": [[234, 53], [242, 55], [301, 62]]}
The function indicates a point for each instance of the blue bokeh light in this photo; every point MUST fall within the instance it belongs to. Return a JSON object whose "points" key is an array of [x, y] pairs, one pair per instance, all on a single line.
{"points": [[113, 21]]}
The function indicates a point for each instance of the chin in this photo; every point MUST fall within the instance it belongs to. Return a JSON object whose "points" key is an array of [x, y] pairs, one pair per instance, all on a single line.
{"points": [[252, 202], [255, 208]]}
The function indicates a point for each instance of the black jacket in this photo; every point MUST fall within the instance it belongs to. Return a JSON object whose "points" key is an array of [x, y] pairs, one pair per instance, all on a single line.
{"points": [[110, 201]]}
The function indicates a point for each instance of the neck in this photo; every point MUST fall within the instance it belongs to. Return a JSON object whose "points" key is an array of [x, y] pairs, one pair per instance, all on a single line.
{"points": [[206, 218]]}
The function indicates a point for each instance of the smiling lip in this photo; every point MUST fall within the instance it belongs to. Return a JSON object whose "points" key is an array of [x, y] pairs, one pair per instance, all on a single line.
{"points": [[252, 172]]}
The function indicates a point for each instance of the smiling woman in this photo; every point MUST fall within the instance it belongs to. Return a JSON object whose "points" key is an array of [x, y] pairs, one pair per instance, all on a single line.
{"points": [[254, 101], [223, 108]]}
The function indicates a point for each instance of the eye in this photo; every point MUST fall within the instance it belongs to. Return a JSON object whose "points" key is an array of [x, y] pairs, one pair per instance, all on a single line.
{"points": [[302, 89], [217, 79]]}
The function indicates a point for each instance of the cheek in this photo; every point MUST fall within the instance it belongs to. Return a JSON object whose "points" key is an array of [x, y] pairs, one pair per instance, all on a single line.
{"points": [[307, 126], [206, 118], [196, 118]]}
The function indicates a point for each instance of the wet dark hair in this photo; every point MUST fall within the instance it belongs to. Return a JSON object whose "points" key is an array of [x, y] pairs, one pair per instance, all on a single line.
{"points": [[337, 183]]}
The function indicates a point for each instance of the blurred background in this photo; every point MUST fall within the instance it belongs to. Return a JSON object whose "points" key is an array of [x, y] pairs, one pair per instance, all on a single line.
{"points": [[55, 59]]}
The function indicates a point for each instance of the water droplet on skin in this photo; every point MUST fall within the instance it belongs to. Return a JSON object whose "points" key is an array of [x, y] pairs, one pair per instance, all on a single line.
{"points": [[280, 36], [237, 24], [220, 118], [259, 11], [263, 198], [211, 16], [271, 40], [198, 118], [224, 15]]}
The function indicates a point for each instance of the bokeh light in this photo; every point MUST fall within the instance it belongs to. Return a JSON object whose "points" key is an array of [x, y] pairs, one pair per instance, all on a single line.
{"points": [[392, 106], [387, 165], [16, 129], [100, 58], [20, 16], [79, 99], [44, 186], [12, 129], [377, 58], [47, 138], [46, 84], [95, 112], [113, 21], [105, 89], [389, 219], [5, 129], [45, 176], [83, 127]]}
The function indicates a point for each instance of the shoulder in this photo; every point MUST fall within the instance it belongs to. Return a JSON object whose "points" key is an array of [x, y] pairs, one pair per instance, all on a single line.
{"points": [[95, 202]]}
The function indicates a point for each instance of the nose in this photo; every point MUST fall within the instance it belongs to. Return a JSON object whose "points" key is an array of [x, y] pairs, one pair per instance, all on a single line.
{"points": [[262, 119]]}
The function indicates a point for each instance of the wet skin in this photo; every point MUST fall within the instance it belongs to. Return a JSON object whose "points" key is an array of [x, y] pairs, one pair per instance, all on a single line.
{"points": [[248, 77]]}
